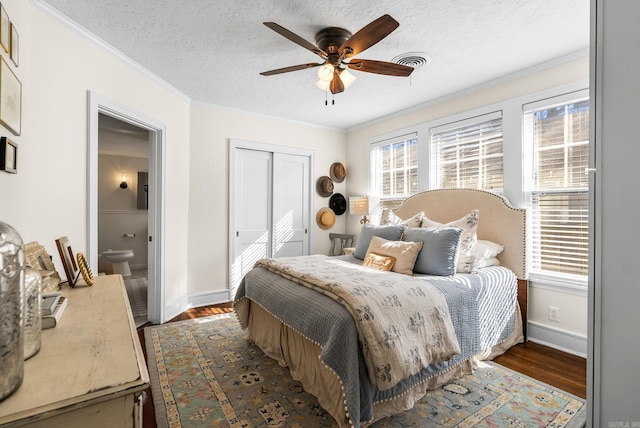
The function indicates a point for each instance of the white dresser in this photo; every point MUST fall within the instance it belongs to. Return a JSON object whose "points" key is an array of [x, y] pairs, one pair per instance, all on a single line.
{"points": [[90, 371]]}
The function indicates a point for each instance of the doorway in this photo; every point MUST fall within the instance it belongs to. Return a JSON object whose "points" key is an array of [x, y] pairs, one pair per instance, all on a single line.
{"points": [[129, 121], [123, 167]]}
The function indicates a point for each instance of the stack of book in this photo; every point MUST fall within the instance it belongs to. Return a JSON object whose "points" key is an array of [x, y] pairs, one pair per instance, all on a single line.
{"points": [[53, 306]]}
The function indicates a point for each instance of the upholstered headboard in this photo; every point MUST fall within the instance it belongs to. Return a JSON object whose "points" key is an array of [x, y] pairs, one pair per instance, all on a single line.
{"points": [[499, 221]]}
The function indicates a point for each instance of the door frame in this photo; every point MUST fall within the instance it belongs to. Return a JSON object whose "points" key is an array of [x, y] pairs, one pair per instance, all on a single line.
{"points": [[96, 105], [234, 145]]}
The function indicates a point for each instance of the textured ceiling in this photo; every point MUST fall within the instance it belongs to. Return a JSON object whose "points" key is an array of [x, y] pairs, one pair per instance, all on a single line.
{"points": [[213, 51]]}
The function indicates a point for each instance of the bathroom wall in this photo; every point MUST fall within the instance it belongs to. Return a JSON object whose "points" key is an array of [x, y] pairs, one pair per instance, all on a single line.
{"points": [[118, 214]]}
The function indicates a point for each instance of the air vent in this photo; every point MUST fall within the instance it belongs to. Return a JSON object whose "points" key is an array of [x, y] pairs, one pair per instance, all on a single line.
{"points": [[413, 59]]}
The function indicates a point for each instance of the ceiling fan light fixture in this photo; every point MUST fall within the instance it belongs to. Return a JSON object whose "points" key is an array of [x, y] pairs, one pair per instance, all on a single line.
{"points": [[325, 73], [347, 78], [323, 85]]}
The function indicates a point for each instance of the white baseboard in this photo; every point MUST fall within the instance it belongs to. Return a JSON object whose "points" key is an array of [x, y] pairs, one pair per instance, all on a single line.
{"points": [[175, 309], [212, 298], [195, 301], [562, 340]]}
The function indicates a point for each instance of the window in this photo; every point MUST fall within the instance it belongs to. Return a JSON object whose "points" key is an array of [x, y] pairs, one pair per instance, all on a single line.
{"points": [[468, 154], [394, 169], [557, 137]]}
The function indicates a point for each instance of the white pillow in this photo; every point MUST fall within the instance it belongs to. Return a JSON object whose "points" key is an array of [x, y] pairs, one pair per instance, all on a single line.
{"points": [[467, 246], [487, 249], [492, 261], [389, 217]]}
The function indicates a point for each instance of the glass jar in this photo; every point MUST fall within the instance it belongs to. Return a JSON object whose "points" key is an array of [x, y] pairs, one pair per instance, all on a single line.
{"points": [[11, 310], [32, 312]]}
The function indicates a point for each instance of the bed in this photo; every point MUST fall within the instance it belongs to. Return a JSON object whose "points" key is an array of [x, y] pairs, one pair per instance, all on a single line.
{"points": [[298, 315]]}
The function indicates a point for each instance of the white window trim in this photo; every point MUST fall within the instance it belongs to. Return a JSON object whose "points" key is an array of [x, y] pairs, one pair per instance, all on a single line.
{"points": [[554, 281]]}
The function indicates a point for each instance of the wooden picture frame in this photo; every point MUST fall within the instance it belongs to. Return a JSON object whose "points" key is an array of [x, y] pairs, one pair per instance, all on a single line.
{"points": [[68, 259], [8, 155], [5, 31], [14, 50], [37, 257], [10, 99]]}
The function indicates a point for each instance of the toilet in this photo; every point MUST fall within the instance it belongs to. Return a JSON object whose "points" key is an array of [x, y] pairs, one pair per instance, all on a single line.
{"points": [[119, 260]]}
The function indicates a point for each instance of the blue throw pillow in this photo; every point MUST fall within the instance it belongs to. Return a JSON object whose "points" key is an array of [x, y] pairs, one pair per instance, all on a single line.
{"points": [[439, 251], [390, 233]]}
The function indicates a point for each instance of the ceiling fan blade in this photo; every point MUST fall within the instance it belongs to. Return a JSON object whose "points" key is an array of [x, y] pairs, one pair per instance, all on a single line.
{"points": [[292, 68], [336, 86], [380, 67], [368, 36], [296, 39]]}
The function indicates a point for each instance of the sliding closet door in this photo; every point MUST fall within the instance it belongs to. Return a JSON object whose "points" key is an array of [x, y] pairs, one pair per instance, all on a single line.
{"points": [[251, 197], [290, 205], [269, 206]]}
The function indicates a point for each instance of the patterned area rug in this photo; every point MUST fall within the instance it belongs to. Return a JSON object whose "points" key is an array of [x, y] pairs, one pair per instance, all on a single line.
{"points": [[204, 373]]}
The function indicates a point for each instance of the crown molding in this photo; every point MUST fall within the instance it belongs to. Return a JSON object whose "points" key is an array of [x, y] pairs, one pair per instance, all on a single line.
{"points": [[77, 28]]}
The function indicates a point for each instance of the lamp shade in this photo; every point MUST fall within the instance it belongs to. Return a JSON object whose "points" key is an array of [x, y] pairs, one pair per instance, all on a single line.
{"points": [[325, 73], [347, 78], [323, 85], [359, 205]]}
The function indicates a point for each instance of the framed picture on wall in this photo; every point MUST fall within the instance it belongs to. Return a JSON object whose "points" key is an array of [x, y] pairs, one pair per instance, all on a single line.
{"points": [[8, 155], [10, 99], [15, 43], [4, 29]]}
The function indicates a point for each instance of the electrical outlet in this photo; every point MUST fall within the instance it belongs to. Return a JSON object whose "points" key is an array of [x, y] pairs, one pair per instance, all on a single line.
{"points": [[554, 313]]}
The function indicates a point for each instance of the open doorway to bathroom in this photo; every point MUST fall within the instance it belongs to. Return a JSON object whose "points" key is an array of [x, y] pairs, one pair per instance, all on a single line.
{"points": [[123, 167]]}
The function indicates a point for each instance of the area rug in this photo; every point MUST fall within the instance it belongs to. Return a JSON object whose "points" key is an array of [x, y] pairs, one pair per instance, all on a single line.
{"points": [[205, 373]]}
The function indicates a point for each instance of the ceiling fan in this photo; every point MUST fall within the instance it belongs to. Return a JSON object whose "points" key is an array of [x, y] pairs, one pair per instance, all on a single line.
{"points": [[337, 47]]}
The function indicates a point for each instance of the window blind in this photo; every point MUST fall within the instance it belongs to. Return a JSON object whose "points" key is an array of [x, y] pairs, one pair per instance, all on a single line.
{"points": [[394, 168], [468, 154], [558, 135]]}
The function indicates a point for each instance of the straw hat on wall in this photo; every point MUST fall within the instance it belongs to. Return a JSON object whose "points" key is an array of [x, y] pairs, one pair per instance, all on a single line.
{"points": [[325, 218], [324, 186], [338, 172]]}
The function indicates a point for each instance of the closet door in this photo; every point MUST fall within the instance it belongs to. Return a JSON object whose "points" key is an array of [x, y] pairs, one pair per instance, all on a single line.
{"points": [[251, 197], [269, 215], [290, 205]]}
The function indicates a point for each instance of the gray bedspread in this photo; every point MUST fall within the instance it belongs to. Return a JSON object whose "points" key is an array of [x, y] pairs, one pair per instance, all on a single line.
{"points": [[482, 309]]}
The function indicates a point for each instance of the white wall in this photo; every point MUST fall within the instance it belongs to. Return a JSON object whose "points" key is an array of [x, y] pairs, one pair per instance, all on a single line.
{"points": [[212, 128], [571, 332], [614, 379], [47, 198]]}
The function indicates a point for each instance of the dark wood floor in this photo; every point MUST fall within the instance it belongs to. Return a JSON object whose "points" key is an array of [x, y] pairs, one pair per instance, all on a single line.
{"points": [[565, 371]]}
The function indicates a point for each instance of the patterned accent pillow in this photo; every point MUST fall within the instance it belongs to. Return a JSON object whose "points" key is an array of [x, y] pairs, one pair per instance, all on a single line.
{"points": [[466, 248], [404, 252], [368, 231], [439, 254], [378, 262], [389, 217]]}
